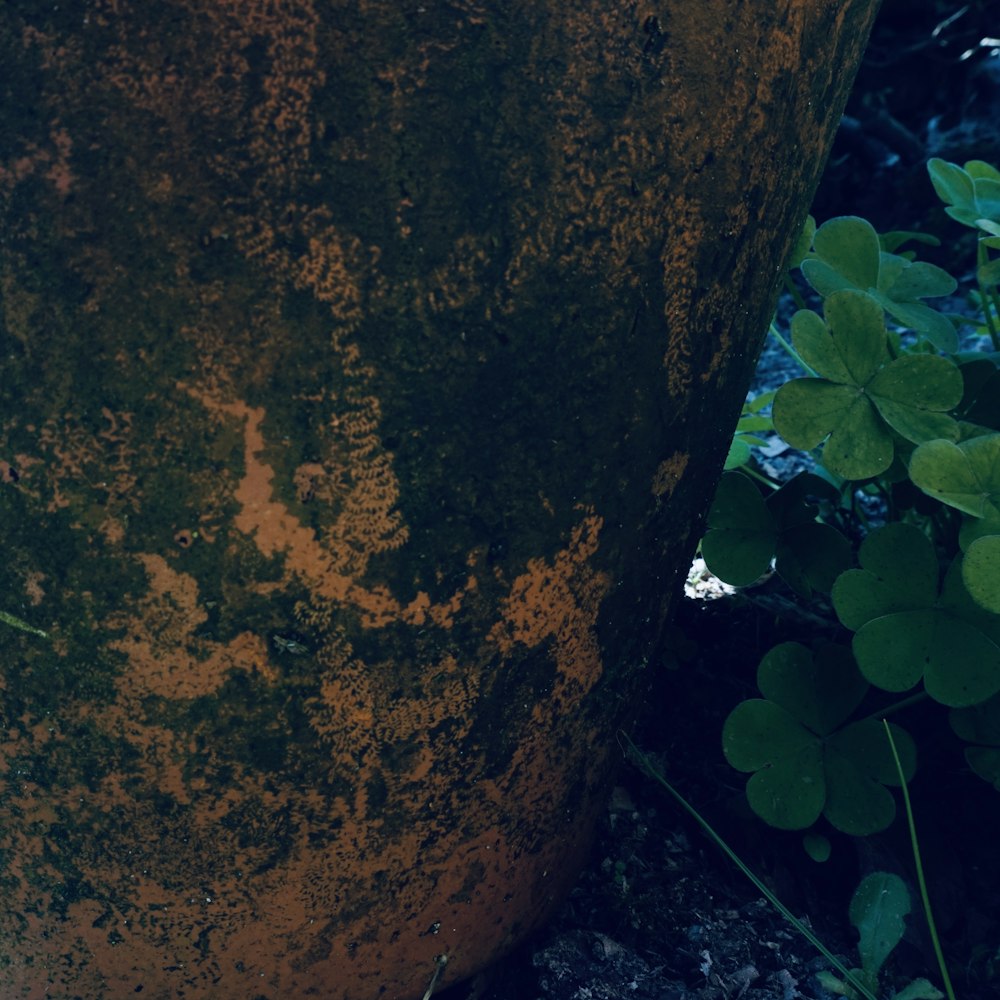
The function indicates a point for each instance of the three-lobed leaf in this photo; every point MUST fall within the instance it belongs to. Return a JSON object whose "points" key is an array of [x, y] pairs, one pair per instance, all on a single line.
{"points": [[980, 725], [971, 193], [909, 628], [862, 395], [965, 475], [739, 543], [745, 532], [805, 761], [981, 572], [849, 255]]}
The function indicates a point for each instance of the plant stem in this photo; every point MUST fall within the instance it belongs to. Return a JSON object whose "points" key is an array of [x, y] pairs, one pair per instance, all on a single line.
{"points": [[760, 477], [787, 347], [735, 858], [921, 881]]}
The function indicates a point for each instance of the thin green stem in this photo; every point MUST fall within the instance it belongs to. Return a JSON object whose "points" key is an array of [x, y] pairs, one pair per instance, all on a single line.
{"points": [[787, 347], [760, 477], [921, 881], [735, 858]]}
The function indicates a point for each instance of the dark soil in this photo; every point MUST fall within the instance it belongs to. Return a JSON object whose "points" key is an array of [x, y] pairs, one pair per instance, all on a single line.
{"points": [[660, 913]]}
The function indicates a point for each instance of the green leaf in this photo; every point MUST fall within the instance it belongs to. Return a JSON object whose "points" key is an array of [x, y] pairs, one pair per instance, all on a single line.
{"points": [[977, 169], [989, 274], [985, 762], [820, 691], [790, 793], [758, 403], [959, 663], [964, 475], [858, 803], [832, 984], [987, 198], [810, 557], [952, 184], [849, 246], [850, 346], [862, 394], [933, 382], [817, 846], [803, 764], [919, 989], [921, 318], [787, 789], [848, 256], [803, 244], [739, 454], [893, 240], [754, 423], [744, 533], [918, 279], [977, 527], [981, 572], [899, 573], [980, 724], [807, 411], [971, 194], [739, 543], [877, 910], [906, 630]]}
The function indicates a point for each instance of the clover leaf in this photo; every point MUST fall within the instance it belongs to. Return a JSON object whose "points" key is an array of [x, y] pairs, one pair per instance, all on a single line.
{"points": [[847, 254], [808, 555], [980, 725], [862, 395], [977, 527], [981, 572], [805, 763], [803, 244], [964, 475], [745, 532], [970, 194], [907, 627], [739, 544]]}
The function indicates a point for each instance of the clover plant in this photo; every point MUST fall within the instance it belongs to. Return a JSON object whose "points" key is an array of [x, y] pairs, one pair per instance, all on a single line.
{"points": [[806, 758], [899, 408], [878, 911]]}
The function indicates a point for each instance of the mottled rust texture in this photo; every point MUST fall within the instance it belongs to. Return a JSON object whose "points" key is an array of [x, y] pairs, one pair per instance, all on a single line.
{"points": [[367, 368]]}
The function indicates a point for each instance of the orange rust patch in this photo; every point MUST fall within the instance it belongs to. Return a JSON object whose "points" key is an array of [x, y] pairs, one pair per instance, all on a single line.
{"points": [[668, 474], [368, 524], [164, 658], [560, 601]]}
